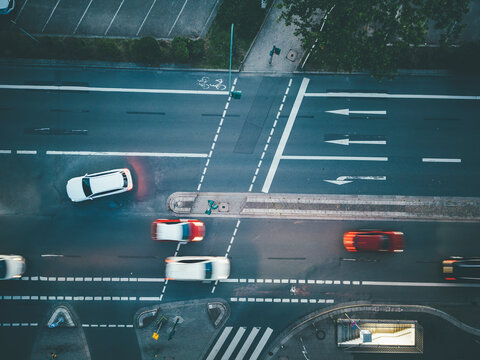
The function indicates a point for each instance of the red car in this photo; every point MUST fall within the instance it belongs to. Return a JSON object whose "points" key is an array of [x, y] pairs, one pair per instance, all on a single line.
{"points": [[183, 230], [374, 240]]}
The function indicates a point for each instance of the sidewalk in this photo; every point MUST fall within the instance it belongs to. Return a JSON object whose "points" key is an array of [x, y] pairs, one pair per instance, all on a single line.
{"points": [[330, 207], [275, 33], [442, 333]]}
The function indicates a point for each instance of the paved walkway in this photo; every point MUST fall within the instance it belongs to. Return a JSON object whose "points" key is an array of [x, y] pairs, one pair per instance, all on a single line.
{"points": [[275, 33], [332, 207]]}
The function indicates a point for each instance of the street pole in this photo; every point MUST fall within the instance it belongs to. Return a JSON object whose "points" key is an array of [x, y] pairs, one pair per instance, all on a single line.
{"points": [[230, 66]]}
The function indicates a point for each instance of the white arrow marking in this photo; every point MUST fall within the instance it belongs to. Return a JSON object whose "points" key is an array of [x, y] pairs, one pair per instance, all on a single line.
{"points": [[348, 112], [341, 180], [347, 141]]}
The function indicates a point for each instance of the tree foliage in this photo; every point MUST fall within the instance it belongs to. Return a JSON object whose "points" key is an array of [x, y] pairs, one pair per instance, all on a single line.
{"points": [[370, 34]]}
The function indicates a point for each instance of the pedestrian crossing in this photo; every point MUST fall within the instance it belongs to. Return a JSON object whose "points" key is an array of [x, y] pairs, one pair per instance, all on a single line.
{"points": [[240, 343]]}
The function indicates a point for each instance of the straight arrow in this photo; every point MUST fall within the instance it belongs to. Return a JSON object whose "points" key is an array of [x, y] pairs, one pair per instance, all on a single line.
{"points": [[347, 112], [347, 141], [341, 180]]}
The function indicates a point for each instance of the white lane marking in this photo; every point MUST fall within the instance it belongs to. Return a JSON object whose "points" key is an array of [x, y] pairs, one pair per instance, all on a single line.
{"points": [[114, 16], [79, 298], [341, 158], [81, 19], [233, 344], [366, 112], [105, 89], [146, 16], [417, 284], [246, 345], [442, 160], [21, 10], [393, 96], [178, 16], [27, 152], [149, 298], [285, 136], [110, 326], [5, 151], [281, 300], [51, 14], [216, 348], [263, 341], [127, 153], [341, 180]]}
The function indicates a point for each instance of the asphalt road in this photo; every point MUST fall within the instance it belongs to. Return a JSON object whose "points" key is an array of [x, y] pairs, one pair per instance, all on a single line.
{"points": [[69, 121]]}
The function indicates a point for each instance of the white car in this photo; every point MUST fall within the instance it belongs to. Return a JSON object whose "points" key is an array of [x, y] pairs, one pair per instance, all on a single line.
{"points": [[197, 268], [11, 267], [92, 186], [6, 6]]}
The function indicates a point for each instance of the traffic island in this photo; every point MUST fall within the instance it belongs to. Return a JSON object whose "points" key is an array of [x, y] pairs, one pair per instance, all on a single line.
{"points": [[176, 330], [61, 336], [328, 207]]}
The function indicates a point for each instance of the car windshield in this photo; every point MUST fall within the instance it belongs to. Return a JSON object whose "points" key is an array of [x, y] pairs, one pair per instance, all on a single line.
{"points": [[208, 270], [384, 242], [86, 186], [3, 268], [185, 231]]}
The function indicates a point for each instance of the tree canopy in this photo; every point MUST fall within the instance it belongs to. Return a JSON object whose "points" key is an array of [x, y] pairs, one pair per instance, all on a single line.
{"points": [[371, 34]]}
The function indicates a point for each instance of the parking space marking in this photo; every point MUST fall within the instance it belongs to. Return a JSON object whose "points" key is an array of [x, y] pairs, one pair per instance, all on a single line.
{"points": [[81, 19], [51, 14], [178, 16], [339, 158], [270, 136], [20, 11], [125, 153], [285, 135], [114, 16], [105, 89], [145, 18]]}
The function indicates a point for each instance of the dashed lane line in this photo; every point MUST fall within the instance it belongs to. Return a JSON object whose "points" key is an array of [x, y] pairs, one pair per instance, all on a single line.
{"points": [[292, 281], [105, 89], [78, 298], [91, 278], [24, 324], [270, 135], [337, 158], [281, 300], [441, 160], [110, 326], [126, 153]]}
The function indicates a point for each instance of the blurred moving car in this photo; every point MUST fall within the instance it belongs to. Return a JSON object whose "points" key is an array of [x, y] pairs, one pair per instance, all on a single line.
{"points": [[6, 6], [183, 230], [460, 268], [11, 267], [92, 186], [374, 240], [197, 268]]}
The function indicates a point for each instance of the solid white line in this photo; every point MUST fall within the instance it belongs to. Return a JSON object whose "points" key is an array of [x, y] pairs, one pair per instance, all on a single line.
{"points": [[114, 16], [178, 16], [83, 15], [354, 158], [442, 160], [216, 348], [5, 151], [146, 16], [261, 344], [285, 136], [233, 344], [247, 343], [417, 284], [104, 89], [150, 279], [27, 152], [53, 10], [393, 96], [125, 153]]}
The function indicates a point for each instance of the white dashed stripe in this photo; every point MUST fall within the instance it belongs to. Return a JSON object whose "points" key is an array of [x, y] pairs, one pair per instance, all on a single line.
{"points": [[282, 300], [78, 298]]}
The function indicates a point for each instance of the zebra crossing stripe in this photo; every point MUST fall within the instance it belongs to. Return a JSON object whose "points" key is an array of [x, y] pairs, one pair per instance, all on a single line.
{"points": [[248, 342], [261, 344], [233, 344], [219, 343]]}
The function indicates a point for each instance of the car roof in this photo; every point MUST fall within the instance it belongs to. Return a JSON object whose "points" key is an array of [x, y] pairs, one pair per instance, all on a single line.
{"points": [[101, 183], [469, 268], [368, 241], [170, 231]]}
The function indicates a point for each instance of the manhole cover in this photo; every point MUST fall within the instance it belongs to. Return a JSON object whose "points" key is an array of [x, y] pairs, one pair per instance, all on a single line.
{"points": [[292, 55], [223, 207]]}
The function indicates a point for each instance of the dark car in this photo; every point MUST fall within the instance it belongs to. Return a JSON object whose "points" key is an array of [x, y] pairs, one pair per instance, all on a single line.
{"points": [[460, 268], [374, 240]]}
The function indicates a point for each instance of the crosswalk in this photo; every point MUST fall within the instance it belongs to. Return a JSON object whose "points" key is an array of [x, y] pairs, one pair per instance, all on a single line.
{"points": [[227, 346]]}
